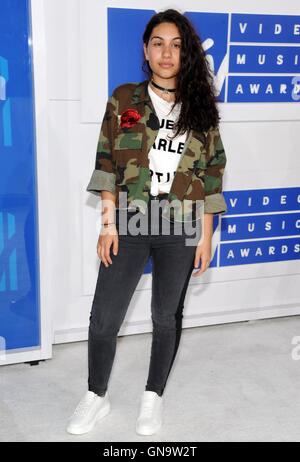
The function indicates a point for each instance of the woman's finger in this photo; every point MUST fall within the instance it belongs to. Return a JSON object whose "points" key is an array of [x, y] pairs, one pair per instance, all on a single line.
{"points": [[99, 250], [203, 267], [204, 264], [115, 245], [103, 259], [107, 252], [197, 257]]}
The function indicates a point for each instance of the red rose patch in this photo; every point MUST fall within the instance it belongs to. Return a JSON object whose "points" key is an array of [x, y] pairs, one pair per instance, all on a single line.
{"points": [[129, 118]]}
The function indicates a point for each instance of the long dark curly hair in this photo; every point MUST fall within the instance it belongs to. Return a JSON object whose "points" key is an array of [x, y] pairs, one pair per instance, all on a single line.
{"points": [[194, 84]]}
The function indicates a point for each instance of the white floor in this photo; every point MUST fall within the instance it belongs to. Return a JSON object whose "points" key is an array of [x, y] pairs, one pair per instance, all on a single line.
{"points": [[231, 382]]}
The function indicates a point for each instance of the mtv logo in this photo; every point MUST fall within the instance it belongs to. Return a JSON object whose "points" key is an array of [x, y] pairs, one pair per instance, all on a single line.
{"points": [[5, 105], [212, 29], [126, 26]]}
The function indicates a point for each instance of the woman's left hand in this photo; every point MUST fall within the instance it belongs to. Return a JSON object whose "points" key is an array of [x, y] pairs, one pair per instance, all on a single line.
{"points": [[203, 253]]}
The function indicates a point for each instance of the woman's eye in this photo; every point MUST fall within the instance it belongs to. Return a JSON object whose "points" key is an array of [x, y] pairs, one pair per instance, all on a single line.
{"points": [[177, 45]]}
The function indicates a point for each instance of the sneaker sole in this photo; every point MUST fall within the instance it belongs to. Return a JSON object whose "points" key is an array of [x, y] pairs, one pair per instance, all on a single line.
{"points": [[148, 432], [80, 431]]}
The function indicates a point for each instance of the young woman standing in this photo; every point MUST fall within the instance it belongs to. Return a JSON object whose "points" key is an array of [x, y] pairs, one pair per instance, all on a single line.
{"points": [[149, 147]]}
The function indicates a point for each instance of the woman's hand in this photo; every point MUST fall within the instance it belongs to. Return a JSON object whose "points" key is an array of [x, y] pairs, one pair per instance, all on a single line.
{"points": [[203, 252], [108, 236], [203, 249]]}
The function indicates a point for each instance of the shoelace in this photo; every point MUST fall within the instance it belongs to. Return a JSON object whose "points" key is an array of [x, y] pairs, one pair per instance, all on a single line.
{"points": [[147, 408], [82, 407]]}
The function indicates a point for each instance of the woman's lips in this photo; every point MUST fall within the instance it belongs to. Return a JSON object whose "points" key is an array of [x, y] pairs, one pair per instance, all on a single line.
{"points": [[166, 65]]}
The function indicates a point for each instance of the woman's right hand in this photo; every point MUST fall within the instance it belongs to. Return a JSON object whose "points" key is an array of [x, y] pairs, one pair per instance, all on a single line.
{"points": [[108, 236]]}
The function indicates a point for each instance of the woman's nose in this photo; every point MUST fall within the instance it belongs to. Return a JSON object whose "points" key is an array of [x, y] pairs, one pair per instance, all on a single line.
{"points": [[166, 51]]}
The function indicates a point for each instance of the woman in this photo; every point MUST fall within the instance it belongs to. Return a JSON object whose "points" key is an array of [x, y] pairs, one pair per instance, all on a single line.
{"points": [[159, 142]]}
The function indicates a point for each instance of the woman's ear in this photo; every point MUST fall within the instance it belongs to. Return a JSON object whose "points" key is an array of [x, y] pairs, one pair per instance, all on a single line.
{"points": [[145, 52]]}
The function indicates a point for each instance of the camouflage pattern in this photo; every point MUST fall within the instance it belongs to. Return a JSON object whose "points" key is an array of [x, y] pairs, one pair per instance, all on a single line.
{"points": [[122, 163]]}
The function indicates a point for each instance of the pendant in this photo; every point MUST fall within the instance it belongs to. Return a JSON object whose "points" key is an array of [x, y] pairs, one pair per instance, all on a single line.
{"points": [[166, 95]]}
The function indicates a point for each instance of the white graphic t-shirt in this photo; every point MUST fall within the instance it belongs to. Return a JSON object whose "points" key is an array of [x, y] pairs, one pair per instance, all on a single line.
{"points": [[165, 153]]}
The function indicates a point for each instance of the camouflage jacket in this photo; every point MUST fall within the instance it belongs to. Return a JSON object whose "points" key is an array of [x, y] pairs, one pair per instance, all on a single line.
{"points": [[122, 163]]}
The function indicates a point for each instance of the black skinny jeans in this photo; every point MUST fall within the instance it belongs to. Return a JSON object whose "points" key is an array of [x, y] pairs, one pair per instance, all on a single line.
{"points": [[172, 266]]}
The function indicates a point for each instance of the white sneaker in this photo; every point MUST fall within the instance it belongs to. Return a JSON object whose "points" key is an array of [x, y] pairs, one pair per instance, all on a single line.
{"points": [[89, 410], [149, 420]]}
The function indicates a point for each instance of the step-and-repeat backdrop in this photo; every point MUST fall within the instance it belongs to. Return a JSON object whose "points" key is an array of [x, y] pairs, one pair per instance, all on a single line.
{"points": [[256, 61]]}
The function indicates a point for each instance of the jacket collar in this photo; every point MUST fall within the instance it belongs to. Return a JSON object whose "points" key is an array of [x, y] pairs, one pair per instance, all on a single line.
{"points": [[140, 93]]}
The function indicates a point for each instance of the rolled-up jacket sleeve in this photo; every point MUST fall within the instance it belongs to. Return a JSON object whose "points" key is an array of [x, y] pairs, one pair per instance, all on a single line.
{"points": [[214, 200], [104, 174]]}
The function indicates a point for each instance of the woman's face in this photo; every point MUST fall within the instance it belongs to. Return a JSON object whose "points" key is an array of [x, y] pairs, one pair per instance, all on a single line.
{"points": [[163, 50]]}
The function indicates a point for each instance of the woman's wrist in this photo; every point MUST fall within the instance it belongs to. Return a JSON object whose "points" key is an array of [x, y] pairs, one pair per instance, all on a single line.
{"points": [[108, 224], [207, 227]]}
